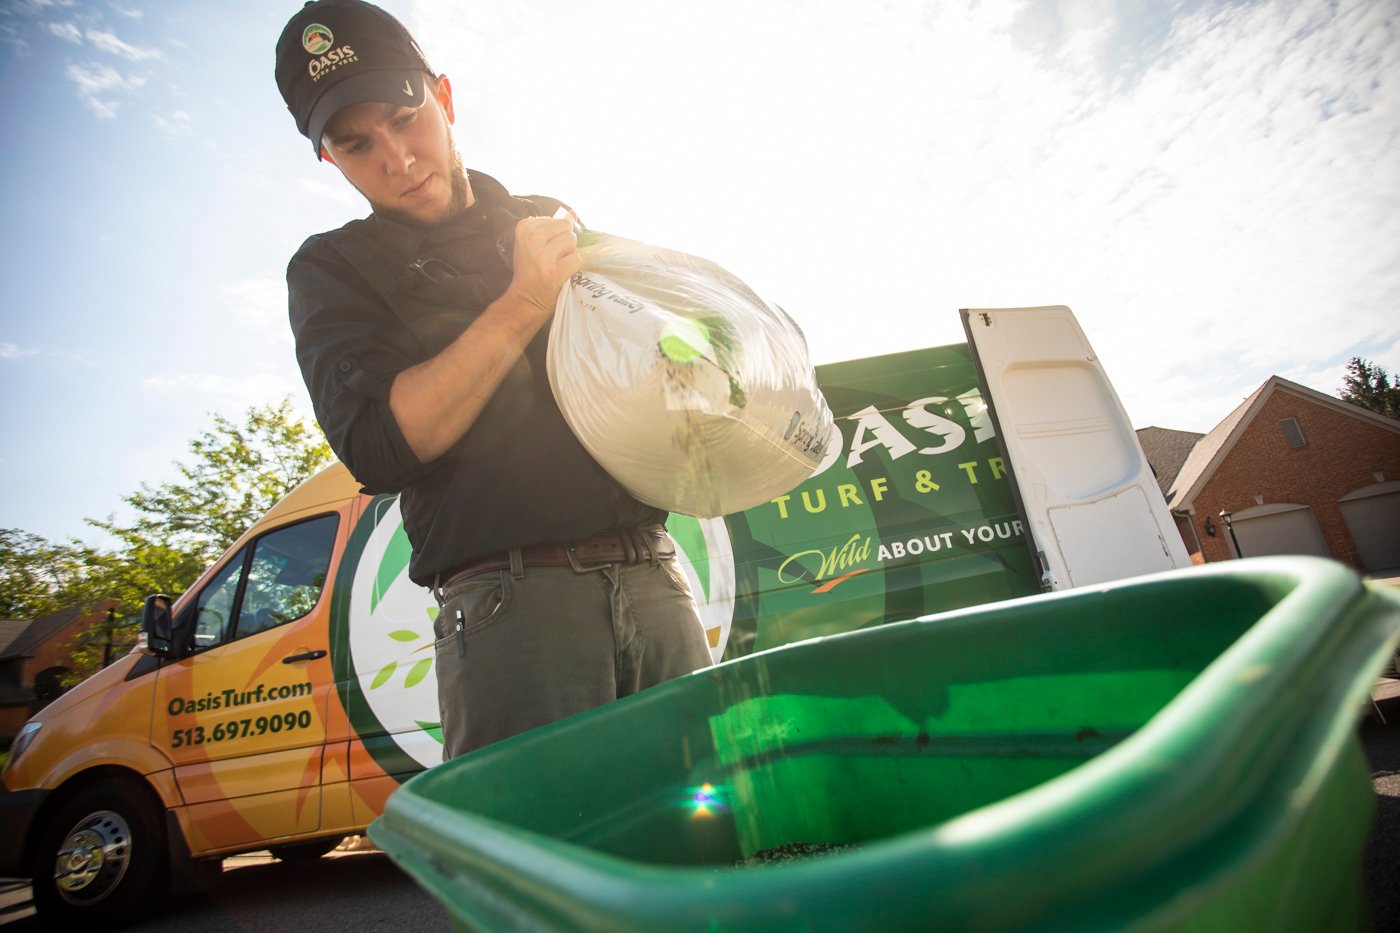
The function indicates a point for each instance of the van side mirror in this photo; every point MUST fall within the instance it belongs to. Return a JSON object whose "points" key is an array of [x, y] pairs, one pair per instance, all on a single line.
{"points": [[157, 627]]}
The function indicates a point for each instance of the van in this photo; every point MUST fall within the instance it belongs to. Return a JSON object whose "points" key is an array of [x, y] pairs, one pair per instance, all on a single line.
{"points": [[281, 699]]}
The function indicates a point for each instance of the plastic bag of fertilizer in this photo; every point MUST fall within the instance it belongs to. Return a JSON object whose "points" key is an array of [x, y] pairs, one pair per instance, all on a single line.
{"points": [[694, 393]]}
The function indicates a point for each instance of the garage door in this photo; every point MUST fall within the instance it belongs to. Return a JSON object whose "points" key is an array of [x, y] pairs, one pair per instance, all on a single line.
{"points": [[1373, 518], [1279, 529]]}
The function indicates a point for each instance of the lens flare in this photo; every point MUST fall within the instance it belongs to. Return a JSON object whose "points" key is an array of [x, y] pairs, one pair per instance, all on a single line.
{"points": [[705, 801]]}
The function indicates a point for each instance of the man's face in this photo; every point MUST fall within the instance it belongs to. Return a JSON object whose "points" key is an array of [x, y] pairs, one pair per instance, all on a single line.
{"points": [[402, 158]]}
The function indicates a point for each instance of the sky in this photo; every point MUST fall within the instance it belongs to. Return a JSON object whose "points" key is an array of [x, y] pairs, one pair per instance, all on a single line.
{"points": [[1213, 188]]}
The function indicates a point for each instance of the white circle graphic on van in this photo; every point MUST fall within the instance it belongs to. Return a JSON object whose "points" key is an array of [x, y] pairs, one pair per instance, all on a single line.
{"points": [[391, 640], [391, 624]]}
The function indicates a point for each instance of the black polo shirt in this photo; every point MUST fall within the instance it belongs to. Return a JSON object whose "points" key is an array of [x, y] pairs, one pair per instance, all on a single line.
{"points": [[376, 297]]}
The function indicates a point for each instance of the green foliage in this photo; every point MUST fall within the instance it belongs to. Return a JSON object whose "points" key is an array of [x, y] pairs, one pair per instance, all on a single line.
{"points": [[236, 473], [35, 574], [100, 645], [1369, 386]]}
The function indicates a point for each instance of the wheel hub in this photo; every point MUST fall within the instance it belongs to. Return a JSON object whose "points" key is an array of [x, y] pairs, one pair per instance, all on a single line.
{"points": [[93, 858]]}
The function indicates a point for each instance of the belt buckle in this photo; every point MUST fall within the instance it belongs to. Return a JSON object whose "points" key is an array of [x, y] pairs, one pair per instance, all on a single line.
{"points": [[581, 567]]}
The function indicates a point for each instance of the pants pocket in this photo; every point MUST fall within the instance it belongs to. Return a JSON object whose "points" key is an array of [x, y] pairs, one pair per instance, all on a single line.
{"points": [[481, 601]]}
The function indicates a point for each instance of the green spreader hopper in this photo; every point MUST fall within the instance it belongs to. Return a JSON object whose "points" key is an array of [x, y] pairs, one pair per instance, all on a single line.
{"points": [[1175, 751]]}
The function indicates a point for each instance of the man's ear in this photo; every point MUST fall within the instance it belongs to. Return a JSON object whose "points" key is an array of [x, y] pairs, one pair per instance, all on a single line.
{"points": [[443, 91]]}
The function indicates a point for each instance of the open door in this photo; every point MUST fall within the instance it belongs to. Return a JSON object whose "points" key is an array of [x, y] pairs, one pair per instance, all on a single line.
{"points": [[1091, 503]]}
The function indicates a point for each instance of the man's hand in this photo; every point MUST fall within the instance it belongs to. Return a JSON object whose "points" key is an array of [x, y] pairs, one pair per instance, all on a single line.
{"points": [[546, 255], [438, 400]]}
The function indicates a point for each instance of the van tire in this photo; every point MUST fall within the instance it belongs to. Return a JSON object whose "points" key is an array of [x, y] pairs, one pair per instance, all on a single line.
{"points": [[117, 866]]}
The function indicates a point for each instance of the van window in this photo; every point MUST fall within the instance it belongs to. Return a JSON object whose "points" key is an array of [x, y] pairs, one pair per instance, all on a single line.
{"points": [[287, 574], [215, 604]]}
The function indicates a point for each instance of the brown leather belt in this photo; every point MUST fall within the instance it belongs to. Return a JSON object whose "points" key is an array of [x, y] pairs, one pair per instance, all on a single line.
{"points": [[626, 546]]}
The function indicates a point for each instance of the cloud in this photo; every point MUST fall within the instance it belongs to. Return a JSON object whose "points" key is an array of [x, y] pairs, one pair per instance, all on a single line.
{"points": [[67, 31], [240, 391], [179, 124], [1233, 214], [96, 83], [128, 11], [108, 42], [259, 305], [339, 192], [12, 351]]}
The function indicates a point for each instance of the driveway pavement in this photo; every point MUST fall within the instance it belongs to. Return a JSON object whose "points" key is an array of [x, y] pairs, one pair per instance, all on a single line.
{"points": [[1381, 862]]}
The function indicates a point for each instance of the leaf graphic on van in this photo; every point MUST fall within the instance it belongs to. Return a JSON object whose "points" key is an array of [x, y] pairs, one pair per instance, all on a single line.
{"points": [[433, 729], [391, 566], [404, 634], [418, 672], [384, 674], [691, 538]]}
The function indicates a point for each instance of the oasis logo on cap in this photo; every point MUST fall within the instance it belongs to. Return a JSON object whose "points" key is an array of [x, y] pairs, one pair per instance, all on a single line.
{"points": [[316, 39]]}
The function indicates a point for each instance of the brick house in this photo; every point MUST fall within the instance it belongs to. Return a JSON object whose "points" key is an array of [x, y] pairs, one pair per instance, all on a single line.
{"points": [[1295, 471], [33, 658]]}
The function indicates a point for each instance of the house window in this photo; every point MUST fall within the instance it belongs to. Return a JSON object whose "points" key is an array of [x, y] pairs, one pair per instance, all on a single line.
{"points": [[1293, 433]]}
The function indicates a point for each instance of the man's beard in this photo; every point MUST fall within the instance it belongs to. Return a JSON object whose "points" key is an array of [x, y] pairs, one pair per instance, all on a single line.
{"points": [[460, 199]]}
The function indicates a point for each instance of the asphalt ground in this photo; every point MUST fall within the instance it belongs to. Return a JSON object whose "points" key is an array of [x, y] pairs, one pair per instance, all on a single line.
{"points": [[1381, 862]]}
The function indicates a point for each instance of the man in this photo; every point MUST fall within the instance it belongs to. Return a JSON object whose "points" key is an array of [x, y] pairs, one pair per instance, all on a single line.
{"points": [[421, 333]]}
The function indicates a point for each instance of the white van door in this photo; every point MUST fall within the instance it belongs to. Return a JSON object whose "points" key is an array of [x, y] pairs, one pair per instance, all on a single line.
{"points": [[1091, 503]]}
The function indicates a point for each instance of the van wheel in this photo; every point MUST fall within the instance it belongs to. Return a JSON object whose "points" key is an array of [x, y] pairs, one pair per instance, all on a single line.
{"points": [[102, 859], [304, 851]]}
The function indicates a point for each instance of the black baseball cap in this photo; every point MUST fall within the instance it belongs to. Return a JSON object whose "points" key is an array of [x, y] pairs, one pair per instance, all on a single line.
{"points": [[334, 53]]}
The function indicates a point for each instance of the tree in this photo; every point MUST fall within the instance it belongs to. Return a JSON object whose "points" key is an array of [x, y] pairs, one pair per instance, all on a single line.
{"points": [[237, 473], [36, 575], [1369, 386]]}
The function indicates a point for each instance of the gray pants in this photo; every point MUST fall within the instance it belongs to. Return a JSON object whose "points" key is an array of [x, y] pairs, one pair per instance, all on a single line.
{"points": [[552, 642]]}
